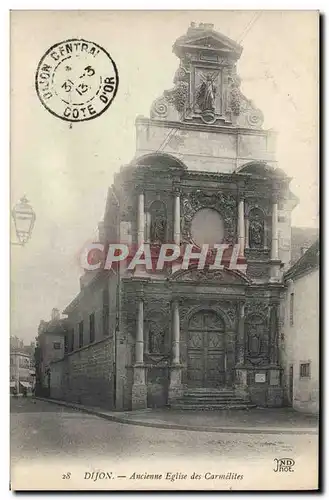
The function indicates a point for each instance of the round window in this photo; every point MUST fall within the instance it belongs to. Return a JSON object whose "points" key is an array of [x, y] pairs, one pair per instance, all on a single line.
{"points": [[207, 227]]}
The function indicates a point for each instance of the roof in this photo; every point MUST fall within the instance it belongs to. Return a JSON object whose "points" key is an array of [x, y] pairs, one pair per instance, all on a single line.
{"points": [[58, 326], [307, 262], [301, 238], [204, 37]]}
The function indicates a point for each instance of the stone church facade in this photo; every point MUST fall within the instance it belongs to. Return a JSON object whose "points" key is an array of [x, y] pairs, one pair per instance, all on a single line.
{"points": [[204, 172]]}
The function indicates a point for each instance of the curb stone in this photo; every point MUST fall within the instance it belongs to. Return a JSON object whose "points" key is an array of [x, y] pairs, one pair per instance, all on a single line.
{"points": [[165, 425]]}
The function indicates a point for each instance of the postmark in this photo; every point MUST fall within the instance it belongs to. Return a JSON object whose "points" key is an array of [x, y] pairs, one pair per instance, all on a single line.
{"points": [[76, 80]]}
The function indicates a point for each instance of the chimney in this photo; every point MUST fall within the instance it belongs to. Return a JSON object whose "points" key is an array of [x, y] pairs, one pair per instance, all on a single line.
{"points": [[55, 315]]}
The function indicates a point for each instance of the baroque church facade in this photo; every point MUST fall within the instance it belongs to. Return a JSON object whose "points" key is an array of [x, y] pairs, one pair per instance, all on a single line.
{"points": [[204, 172]]}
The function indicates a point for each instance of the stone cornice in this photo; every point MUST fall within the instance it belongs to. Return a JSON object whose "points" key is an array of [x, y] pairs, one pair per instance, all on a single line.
{"points": [[199, 127]]}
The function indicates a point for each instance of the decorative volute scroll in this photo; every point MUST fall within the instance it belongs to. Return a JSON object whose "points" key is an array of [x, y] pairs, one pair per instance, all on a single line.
{"points": [[206, 85]]}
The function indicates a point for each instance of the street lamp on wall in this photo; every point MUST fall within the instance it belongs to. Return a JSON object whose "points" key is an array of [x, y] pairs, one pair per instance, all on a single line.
{"points": [[24, 218]]}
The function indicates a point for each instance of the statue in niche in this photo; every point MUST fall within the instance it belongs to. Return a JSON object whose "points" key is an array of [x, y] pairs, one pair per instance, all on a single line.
{"points": [[253, 344], [156, 338], [207, 93], [255, 328], [256, 229], [158, 227]]}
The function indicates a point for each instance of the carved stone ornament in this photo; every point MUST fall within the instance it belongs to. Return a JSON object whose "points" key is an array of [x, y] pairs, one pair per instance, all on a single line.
{"points": [[254, 117], [206, 93], [256, 339], [206, 86], [235, 94], [160, 108], [158, 229], [256, 307], [155, 325], [224, 203], [240, 105], [177, 96], [209, 276]]}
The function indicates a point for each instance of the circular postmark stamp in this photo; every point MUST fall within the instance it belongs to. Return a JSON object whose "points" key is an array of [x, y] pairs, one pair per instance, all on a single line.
{"points": [[76, 80]]}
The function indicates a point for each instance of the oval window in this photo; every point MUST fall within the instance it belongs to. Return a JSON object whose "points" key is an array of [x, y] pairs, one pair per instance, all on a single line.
{"points": [[207, 227]]}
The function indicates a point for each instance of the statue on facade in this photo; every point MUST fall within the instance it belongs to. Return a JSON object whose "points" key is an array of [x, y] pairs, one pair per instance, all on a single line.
{"points": [[158, 229], [156, 338], [256, 229], [255, 336], [256, 236], [207, 93]]}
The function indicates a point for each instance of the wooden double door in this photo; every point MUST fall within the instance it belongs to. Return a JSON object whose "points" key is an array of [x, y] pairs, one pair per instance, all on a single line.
{"points": [[206, 355]]}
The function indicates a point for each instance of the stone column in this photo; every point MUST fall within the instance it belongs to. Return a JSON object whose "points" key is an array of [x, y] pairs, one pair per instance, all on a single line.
{"points": [[175, 386], [247, 233], [141, 219], [175, 334], [148, 226], [139, 347], [275, 243], [241, 386], [240, 335], [177, 235], [273, 327], [275, 237], [139, 390], [241, 228]]}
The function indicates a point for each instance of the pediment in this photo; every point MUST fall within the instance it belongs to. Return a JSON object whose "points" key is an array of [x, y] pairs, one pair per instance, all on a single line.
{"points": [[207, 276], [206, 40]]}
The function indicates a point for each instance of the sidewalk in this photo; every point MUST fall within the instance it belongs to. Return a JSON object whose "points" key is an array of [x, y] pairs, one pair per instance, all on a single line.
{"points": [[253, 421]]}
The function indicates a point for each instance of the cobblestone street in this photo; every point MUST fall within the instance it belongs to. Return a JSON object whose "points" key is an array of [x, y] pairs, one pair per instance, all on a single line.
{"points": [[45, 433]]}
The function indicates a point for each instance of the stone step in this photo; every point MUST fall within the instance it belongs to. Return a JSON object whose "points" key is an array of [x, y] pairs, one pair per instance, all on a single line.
{"points": [[231, 406], [209, 391], [210, 401], [201, 390], [209, 398], [210, 394]]}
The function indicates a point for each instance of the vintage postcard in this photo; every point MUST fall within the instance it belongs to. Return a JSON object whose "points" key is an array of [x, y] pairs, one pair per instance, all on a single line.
{"points": [[164, 250]]}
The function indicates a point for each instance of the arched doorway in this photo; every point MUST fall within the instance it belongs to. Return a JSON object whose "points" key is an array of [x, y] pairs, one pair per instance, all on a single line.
{"points": [[206, 350]]}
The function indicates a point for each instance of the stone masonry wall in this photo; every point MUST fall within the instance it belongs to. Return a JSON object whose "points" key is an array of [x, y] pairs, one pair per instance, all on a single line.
{"points": [[85, 376]]}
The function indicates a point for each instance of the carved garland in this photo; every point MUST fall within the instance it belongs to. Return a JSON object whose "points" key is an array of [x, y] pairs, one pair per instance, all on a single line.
{"points": [[258, 307], [224, 203], [177, 96]]}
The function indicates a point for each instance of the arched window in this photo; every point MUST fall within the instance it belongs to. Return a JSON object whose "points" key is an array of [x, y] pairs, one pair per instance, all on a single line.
{"points": [[256, 228], [158, 229]]}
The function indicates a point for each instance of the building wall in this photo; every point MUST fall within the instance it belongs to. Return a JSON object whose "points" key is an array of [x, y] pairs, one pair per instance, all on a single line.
{"points": [[206, 150], [49, 353], [300, 343], [85, 376], [91, 301]]}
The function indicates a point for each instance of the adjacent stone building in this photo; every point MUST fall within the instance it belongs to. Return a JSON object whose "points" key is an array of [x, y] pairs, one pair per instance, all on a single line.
{"points": [[50, 346], [204, 172], [21, 366], [300, 339]]}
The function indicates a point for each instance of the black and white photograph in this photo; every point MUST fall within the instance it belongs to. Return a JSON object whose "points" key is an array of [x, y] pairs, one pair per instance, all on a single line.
{"points": [[164, 246]]}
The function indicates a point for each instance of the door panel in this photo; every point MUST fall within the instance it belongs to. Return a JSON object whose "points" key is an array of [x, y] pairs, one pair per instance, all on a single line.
{"points": [[196, 369], [206, 351], [215, 374]]}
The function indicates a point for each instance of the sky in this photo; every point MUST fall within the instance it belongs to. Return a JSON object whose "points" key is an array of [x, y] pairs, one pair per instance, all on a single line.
{"points": [[65, 172]]}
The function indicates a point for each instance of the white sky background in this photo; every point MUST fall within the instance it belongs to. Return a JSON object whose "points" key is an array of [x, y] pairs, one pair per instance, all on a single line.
{"points": [[65, 172]]}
